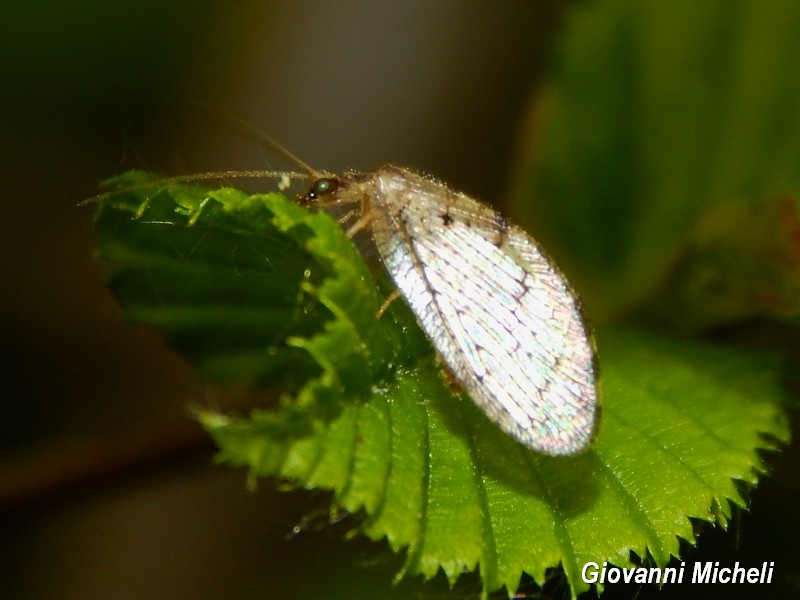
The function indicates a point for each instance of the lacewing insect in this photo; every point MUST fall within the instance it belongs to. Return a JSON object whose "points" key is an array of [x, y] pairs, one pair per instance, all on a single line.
{"points": [[502, 317], [504, 320]]}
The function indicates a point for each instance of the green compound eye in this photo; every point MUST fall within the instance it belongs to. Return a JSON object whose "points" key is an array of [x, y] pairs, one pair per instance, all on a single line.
{"points": [[324, 186]]}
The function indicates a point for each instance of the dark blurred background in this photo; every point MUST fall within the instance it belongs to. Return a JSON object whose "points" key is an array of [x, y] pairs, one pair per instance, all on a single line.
{"points": [[106, 483]]}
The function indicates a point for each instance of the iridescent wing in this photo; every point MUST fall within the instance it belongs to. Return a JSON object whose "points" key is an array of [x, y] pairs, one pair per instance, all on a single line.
{"points": [[503, 318]]}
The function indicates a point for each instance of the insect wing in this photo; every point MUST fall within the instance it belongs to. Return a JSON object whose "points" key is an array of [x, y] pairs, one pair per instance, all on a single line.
{"points": [[502, 317]]}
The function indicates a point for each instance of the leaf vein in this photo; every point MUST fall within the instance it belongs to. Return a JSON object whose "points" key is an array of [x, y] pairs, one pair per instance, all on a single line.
{"points": [[489, 550], [562, 535], [633, 505]]}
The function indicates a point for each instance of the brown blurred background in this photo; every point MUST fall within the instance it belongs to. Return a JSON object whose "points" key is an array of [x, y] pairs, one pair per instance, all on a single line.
{"points": [[107, 484]]}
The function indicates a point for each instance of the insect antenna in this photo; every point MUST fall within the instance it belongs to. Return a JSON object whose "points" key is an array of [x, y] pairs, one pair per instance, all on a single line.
{"points": [[155, 183], [310, 172], [263, 137]]}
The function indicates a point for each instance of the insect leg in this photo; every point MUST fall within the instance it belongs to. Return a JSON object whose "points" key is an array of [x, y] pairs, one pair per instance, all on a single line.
{"points": [[386, 303]]}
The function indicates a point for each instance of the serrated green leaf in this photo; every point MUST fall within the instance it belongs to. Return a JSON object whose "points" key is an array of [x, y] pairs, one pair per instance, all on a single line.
{"points": [[211, 287], [375, 422], [682, 422]]}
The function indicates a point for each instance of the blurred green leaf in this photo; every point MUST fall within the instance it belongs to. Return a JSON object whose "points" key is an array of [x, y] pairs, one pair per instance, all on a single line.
{"points": [[255, 288], [664, 122]]}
